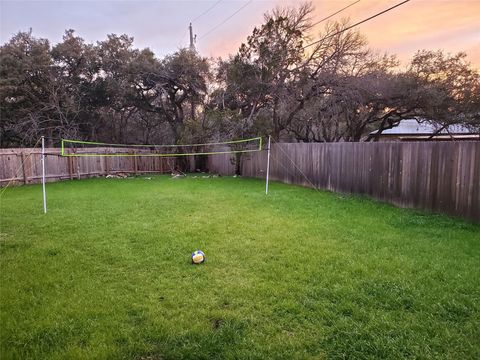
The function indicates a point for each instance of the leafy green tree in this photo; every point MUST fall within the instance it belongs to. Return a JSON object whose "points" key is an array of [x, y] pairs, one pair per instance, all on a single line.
{"points": [[174, 89], [116, 87], [76, 68], [25, 77]]}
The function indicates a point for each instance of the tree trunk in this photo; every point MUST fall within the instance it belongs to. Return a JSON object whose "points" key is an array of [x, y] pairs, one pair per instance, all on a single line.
{"points": [[238, 163]]}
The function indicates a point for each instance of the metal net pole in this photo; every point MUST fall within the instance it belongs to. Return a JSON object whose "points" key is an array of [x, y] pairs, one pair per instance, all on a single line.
{"points": [[43, 176]]}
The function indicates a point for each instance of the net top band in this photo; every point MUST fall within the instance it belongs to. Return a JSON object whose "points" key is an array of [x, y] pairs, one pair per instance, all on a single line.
{"points": [[159, 145], [145, 147]]}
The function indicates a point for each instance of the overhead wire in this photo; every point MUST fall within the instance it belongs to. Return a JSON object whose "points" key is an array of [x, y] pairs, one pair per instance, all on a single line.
{"points": [[238, 10], [332, 15], [342, 30], [180, 40], [206, 11], [356, 24], [225, 20]]}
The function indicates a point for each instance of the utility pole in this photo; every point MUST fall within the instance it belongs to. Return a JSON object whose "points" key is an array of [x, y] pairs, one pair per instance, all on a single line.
{"points": [[192, 45]]}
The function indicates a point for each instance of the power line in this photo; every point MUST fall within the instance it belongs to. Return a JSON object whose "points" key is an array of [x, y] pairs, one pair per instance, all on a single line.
{"points": [[206, 11], [224, 21], [338, 32], [180, 40], [332, 15], [309, 27], [356, 24]]}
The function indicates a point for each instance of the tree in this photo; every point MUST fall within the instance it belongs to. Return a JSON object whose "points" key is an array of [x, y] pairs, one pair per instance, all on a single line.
{"points": [[25, 73], [449, 87], [281, 81], [169, 88], [276, 72], [437, 88], [267, 64], [372, 93], [117, 88], [76, 67]]}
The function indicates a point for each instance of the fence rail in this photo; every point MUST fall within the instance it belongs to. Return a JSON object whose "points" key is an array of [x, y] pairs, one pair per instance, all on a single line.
{"points": [[437, 176]]}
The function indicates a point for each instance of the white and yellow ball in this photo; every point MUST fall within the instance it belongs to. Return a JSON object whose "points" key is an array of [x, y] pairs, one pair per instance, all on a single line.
{"points": [[198, 257]]}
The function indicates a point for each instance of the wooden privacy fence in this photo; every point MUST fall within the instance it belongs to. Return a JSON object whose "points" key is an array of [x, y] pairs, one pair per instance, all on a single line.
{"points": [[436, 176], [24, 166]]}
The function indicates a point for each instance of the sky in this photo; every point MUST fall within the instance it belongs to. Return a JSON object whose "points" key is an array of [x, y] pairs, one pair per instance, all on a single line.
{"points": [[452, 25]]}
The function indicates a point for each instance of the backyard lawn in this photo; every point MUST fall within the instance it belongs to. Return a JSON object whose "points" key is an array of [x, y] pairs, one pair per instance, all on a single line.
{"points": [[297, 274]]}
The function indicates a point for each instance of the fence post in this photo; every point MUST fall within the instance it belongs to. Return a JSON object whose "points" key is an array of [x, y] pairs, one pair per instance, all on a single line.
{"points": [[77, 162], [70, 167], [105, 162], [25, 179], [135, 164]]}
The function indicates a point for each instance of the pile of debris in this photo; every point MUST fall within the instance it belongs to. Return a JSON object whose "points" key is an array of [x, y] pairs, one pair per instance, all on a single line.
{"points": [[120, 175], [177, 174], [206, 176]]}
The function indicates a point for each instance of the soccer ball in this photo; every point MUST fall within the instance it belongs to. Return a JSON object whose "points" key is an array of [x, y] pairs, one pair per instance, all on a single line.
{"points": [[198, 257]]}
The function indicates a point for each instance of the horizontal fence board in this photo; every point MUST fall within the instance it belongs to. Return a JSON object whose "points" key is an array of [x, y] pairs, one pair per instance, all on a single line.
{"points": [[433, 175]]}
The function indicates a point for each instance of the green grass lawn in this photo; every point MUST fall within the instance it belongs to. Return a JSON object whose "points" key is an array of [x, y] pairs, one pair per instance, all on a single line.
{"points": [[298, 274]]}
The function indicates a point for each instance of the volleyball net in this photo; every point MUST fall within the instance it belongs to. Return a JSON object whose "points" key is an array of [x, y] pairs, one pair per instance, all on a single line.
{"points": [[90, 148]]}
